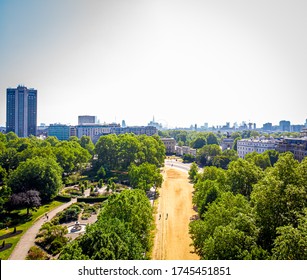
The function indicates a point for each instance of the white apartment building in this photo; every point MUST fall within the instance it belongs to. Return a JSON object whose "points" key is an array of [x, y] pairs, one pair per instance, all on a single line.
{"points": [[259, 145]]}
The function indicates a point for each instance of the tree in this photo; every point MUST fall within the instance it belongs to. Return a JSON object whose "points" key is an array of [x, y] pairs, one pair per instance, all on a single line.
{"points": [[212, 139], [71, 156], [291, 242], [206, 154], [152, 150], [107, 150], [86, 143], [128, 150], [107, 239], [273, 156], [242, 175], [205, 193], [227, 231], [132, 207], [9, 159], [235, 143], [3, 176], [29, 199], [52, 140], [5, 194], [193, 172], [101, 173], [52, 237], [199, 142], [144, 176], [279, 198], [41, 174], [260, 160], [122, 231]]}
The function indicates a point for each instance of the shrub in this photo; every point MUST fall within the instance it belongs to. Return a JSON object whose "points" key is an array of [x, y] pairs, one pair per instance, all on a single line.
{"points": [[36, 253]]}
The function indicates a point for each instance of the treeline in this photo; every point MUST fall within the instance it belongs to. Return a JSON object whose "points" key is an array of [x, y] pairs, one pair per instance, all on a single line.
{"points": [[139, 156], [255, 209], [32, 171], [197, 139], [122, 231]]}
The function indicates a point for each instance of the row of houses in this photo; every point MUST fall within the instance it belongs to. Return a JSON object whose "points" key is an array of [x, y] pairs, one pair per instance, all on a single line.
{"points": [[297, 146], [172, 148]]}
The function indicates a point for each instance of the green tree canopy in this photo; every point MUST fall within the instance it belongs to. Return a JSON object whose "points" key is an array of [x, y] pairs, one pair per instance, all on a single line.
{"points": [[41, 174], [227, 231], [144, 176], [242, 175], [279, 197]]}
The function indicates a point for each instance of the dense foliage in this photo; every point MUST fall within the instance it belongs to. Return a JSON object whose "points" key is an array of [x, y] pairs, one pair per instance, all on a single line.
{"points": [[256, 209], [122, 231], [117, 152]]}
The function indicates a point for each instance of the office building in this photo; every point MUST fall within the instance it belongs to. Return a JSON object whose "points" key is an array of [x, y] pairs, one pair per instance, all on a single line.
{"points": [[284, 125], [267, 127], [21, 111], [87, 119], [60, 131]]}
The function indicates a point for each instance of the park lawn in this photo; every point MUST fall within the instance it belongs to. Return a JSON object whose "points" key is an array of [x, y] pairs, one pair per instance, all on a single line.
{"points": [[23, 226]]}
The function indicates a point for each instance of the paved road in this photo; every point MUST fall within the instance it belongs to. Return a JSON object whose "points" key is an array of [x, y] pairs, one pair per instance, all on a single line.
{"points": [[178, 165]]}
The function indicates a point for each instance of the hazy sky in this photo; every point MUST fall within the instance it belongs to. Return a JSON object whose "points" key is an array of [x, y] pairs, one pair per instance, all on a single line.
{"points": [[183, 61]]}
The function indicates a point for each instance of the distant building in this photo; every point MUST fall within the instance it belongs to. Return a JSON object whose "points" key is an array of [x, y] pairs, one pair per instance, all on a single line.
{"points": [[170, 144], [124, 123], [60, 131], [284, 125], [72, 131], [94, 131], [227, 143], [297, 127], [21, 111], [137, 130], [155, 124], [267, 127], [185, 150], [297, 146], [304, 132], [259, 145], [87, 119]]}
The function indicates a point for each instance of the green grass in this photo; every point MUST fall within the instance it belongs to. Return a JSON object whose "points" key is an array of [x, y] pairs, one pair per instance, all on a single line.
{"points": [[24, 222]]}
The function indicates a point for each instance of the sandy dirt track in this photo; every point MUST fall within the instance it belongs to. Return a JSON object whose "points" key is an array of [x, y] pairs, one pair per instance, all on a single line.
{"points": [[172, 240]]}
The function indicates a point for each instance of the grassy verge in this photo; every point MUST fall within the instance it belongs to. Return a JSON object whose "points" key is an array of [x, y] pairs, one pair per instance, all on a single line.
{"points": [[22, 226]]}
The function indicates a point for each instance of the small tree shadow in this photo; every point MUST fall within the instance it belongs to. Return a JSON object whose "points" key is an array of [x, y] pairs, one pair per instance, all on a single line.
{"points": [[5, 247], [10, 234]]}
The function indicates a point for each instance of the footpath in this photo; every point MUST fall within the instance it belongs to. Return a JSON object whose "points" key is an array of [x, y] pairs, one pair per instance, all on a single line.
{"points": [[27, 240]]}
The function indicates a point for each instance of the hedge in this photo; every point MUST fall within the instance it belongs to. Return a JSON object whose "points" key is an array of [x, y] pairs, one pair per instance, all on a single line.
{"points": [[92, 199], [63, 198]]}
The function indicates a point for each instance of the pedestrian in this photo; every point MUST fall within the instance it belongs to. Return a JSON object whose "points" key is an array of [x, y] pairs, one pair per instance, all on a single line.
{"points": [[166, 216], [159, 216]]}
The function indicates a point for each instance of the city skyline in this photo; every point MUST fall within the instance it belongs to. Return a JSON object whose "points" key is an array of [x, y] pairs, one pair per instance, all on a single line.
{"points": [[183, 62]]}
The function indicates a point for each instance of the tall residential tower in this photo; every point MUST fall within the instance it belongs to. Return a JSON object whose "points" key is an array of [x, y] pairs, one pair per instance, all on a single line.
{"points": [[21, 111]]}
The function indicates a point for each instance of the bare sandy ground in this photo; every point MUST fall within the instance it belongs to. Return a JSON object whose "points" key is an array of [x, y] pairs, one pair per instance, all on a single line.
{"points": [[172, 240]]}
